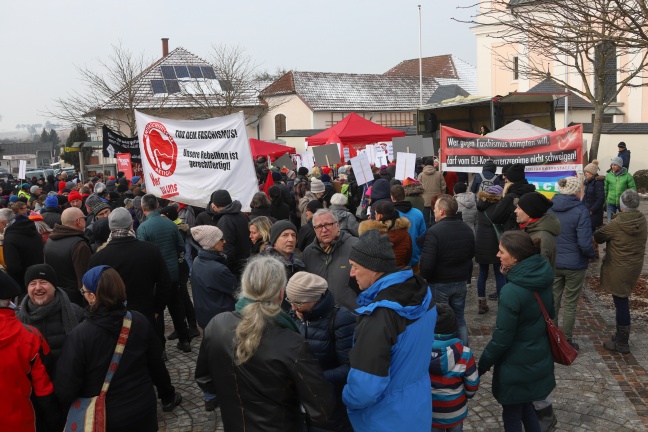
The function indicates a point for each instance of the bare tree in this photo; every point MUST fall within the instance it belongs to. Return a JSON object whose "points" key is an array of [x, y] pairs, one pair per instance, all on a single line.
{"points": [[582, 45], [114, 81]]}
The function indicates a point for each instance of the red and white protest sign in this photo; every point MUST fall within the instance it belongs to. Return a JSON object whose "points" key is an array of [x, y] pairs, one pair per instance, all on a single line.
{"points": [[187, 160], [124, 164]]}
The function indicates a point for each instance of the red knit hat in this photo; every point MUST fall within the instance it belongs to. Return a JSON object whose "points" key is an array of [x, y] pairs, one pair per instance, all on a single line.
{"points": [[74, 195]]}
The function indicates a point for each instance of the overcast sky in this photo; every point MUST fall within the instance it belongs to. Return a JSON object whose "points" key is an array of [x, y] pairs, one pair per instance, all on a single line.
{"points": [[41, 41]]}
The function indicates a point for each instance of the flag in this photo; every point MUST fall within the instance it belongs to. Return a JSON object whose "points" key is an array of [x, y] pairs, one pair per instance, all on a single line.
{"points": [[269, 182]]}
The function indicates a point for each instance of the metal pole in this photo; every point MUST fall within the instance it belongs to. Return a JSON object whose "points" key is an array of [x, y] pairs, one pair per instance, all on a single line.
{"points": [[420, 62], [566, 89]]}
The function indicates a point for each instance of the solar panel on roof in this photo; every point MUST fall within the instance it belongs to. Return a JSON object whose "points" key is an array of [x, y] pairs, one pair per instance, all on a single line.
{"points": [[158, 86], [226, 85], [172, 86], [208, 72], [182, 72], [168, 72], [195, 72]]}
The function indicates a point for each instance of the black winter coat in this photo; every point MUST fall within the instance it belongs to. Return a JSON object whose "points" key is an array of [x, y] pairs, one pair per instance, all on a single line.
{"points": [[130, 403], [144, 271], [22, 247], [213, 286], [486, 243], [306, 235], [51, 216], [448, 251], [504, 213], [594, 200], [263, 394], [234, 225]]}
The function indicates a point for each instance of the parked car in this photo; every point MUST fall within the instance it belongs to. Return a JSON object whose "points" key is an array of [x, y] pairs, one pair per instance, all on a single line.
{"points": [[39, 173]]}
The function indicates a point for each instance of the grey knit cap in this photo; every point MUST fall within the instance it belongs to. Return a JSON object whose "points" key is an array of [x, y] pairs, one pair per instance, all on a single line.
{"points": [[374, 252], [629, 200], [279, 227]]}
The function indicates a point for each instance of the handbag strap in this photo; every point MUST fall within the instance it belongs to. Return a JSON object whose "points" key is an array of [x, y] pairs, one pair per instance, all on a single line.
{"points": [[119, 350], [544, 311]]}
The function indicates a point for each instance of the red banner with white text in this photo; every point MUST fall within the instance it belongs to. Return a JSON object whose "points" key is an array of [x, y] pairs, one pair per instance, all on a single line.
{"points": [[124, 164], [555, 151]]}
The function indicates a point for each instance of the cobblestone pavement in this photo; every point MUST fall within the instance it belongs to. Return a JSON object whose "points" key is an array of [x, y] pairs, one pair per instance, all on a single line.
{"points": [[601, 391]]}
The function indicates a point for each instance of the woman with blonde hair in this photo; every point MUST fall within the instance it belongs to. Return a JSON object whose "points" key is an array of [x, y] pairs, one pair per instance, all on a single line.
{"points": [[259, 233], [257, 363]]}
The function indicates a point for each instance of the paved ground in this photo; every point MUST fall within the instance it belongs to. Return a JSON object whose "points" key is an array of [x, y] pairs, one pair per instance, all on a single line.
{"points": [[599, 392]]}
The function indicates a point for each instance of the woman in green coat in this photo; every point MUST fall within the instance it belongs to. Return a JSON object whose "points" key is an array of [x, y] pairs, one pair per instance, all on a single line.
{"points": [[519, 348]]}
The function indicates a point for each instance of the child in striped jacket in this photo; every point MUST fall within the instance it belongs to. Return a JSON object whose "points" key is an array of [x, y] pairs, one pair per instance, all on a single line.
{"points": [[453, 374]]}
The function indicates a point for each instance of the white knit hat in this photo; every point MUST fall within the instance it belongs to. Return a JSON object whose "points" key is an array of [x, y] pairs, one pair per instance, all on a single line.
{"points": [[569, 186], [207, 236]]}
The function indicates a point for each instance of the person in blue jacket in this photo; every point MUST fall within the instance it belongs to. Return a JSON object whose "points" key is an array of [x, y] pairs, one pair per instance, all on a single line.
{"points": [[388, 387], [573, 251], [329, 331]]}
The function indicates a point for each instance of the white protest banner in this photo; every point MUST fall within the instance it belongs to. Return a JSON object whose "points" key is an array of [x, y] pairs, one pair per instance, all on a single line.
{"points": [[306, 160], [362, 169], [187, 160], [405, 165], [370, 150], [381, 158], [22, 168]]}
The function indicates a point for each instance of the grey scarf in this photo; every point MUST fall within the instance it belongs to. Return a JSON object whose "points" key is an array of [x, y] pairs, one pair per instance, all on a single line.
{"points": [[30, 313]]}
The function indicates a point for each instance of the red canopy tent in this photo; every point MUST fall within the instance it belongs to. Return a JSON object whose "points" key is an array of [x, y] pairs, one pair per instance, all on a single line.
{"points": [[354, 132], [264, 148]]}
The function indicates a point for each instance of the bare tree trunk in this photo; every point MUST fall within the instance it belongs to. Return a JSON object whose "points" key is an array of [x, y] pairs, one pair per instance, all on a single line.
{"points": [[597, 128]]}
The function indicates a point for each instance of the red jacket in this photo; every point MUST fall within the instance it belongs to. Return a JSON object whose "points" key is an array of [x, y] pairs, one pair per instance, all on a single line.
{"points": [[21, 372]]}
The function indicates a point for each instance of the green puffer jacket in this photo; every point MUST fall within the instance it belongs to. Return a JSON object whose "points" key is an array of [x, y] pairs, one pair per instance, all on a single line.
{"points": [[626, 239], [164, 233], [519, 348], [615, 185], [547, 228]]}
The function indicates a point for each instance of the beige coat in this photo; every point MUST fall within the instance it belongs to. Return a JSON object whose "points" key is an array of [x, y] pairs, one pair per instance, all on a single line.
{"points": [[433, 183], [626, 243]]}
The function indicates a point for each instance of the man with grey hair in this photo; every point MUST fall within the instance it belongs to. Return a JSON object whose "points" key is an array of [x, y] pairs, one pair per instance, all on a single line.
{"points": [[328, 257], [626, 238], [164, 233], [6, 217], [68, 251]]}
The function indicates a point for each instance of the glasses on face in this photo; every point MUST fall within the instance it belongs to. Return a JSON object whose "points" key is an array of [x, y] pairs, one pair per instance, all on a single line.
{"points": [[84, 292], [296, 304], [327, 226]]}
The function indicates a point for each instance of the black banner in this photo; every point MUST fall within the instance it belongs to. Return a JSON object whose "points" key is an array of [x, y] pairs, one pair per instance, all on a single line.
{"points": [[114, 143]]}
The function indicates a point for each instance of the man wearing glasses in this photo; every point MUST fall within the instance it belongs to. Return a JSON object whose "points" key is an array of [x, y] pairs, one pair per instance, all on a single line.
{"points": [[68, 251], [328, 257]]}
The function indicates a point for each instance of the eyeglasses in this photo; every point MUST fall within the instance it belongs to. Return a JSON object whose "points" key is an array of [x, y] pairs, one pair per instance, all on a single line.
{"points": [[296, 304], [328, 226], [84, 292]]}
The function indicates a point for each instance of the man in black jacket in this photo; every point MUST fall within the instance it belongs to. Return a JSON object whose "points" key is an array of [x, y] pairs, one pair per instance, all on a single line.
{"points": [[226, 214], [68, 251], [446, 260], [22, 247], [516, 186], [139, 263]]}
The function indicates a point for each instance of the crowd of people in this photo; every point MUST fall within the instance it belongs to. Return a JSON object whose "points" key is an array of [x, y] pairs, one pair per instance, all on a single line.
{"points": [[330, 306]]}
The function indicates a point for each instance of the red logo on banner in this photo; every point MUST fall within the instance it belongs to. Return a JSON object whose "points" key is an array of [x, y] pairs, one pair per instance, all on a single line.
{"points": [[160, 149]]}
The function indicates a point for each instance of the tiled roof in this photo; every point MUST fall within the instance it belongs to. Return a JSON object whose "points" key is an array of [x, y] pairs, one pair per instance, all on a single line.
{"points": [[619, 128], [446, 69], [324, 91], [550, 86], [144, 93]]}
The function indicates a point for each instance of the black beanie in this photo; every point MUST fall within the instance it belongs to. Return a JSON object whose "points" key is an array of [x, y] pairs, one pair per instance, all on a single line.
{"points": [[279, 227], [534, 204], [490, 166], [314, 205], [221, 198], [374, 252], [40, 271], [276, 176], [515, 173], [171, 212], [460, 188], [505, 168], [9, 289], [302, 171], [446, 320]]}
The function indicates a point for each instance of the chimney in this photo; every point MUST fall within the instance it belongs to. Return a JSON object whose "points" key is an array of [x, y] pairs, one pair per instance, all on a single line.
{"points": [[165, 47]]}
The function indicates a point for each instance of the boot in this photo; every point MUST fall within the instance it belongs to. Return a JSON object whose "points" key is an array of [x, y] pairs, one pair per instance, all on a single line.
{"points": [[483, 305], [619, 342], [546, 418]]}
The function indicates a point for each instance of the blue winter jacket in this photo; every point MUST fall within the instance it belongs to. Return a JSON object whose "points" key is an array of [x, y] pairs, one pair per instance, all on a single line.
{"points": [[164, 233], [574, 244], [388, 388], [416, 229], [213, 286]]}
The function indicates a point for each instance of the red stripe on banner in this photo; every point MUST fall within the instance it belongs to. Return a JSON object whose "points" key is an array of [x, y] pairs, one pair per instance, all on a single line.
{"points": [[170, 195]]}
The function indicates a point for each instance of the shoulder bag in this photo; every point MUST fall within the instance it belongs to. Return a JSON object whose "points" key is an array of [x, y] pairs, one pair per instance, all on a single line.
{"points": [[561, 350], [88, 414], [499, 228]]}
